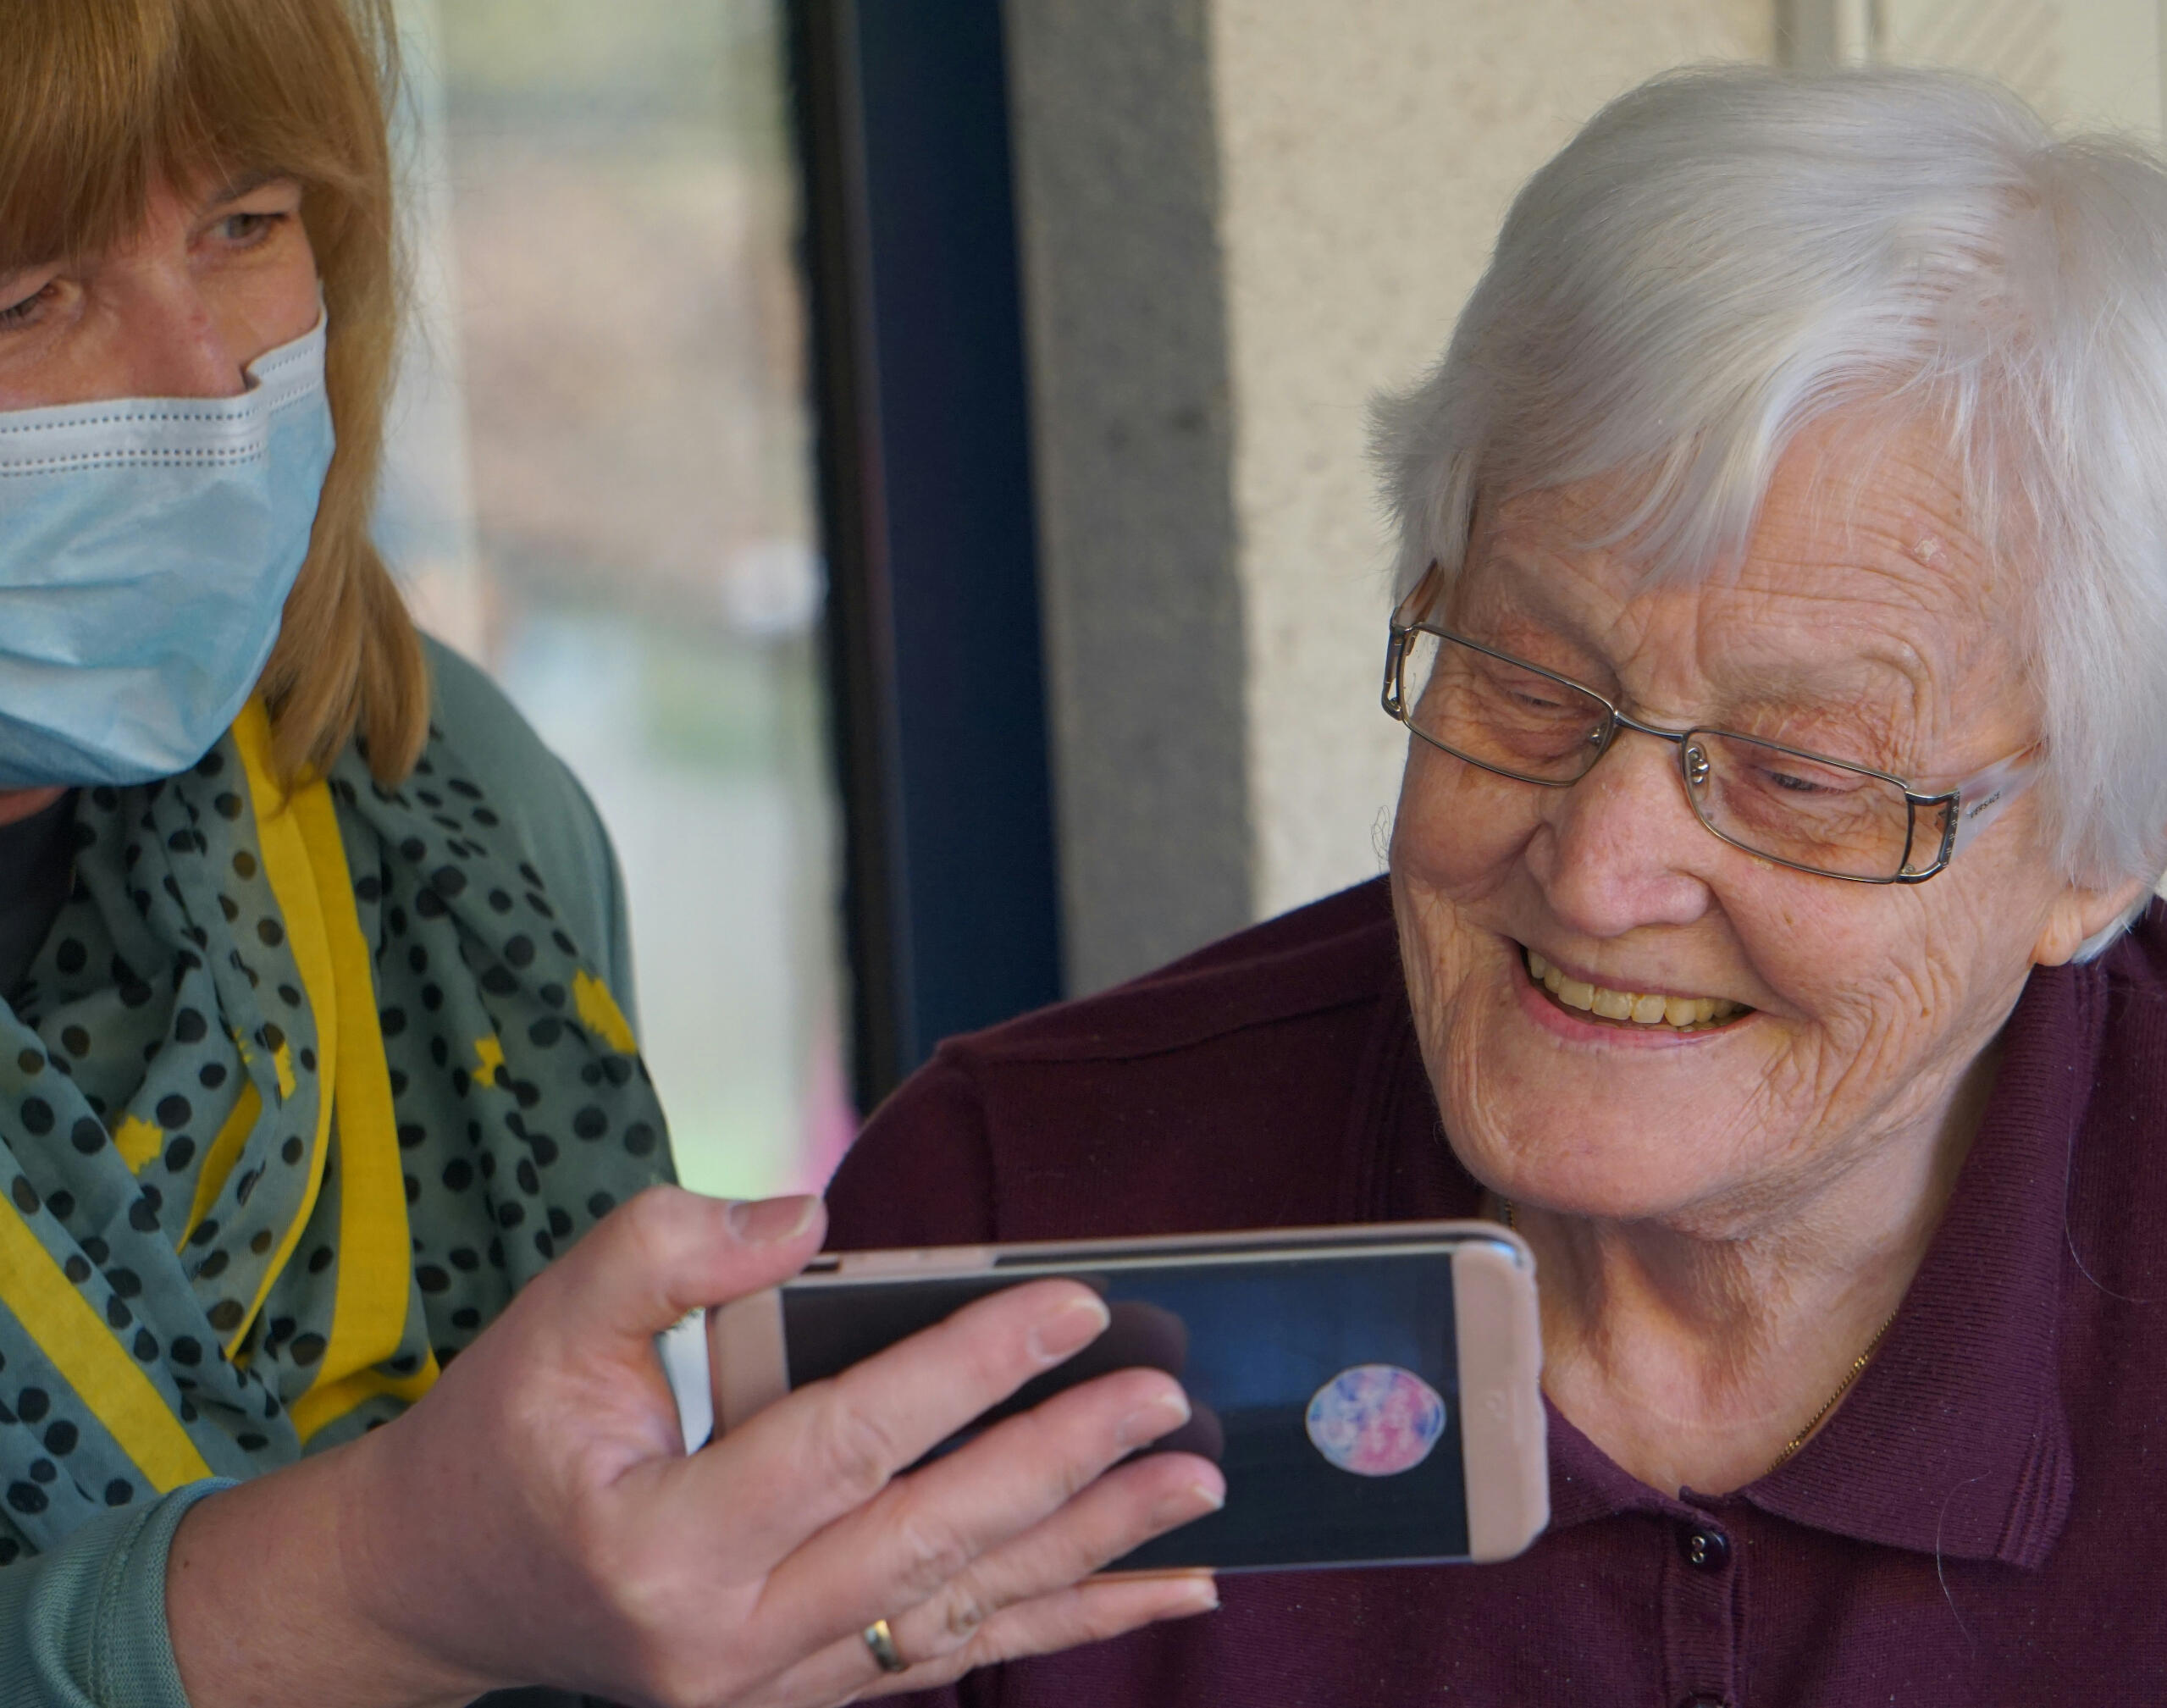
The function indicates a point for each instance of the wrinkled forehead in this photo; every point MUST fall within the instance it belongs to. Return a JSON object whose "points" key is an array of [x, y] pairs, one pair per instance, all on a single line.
{"points": [[1864, 560]]}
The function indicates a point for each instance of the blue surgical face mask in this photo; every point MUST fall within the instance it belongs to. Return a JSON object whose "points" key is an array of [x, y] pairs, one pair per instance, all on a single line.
{"points": [[146, 549]]}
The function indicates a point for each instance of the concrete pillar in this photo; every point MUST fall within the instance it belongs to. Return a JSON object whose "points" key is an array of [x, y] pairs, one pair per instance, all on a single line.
{"points": [[1117, 192]]}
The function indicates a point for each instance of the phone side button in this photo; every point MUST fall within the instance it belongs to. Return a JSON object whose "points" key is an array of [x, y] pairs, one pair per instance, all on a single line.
{"points": [[1515, 1418], [930, 1260]]}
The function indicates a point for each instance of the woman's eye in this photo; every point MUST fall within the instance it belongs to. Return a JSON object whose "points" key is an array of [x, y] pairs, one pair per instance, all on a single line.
{"points": [[25, 309], [248, 229], [1795, 782], [1526, 694]]}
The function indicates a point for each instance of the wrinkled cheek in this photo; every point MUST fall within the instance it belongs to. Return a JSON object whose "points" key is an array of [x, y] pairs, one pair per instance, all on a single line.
{"points": [[1457, 842], [1860, 1057], [1459, 832]]}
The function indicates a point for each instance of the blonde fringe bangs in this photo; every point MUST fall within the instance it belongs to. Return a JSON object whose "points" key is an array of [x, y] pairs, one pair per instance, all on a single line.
{"points": [[106, 97]]}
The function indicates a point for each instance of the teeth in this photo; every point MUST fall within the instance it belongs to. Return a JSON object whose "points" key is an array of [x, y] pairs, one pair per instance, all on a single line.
{"points": [[1647, 1010]]}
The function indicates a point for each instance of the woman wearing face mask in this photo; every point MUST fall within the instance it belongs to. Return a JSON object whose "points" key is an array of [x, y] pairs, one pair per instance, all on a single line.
{"points": [[313, 1080]]}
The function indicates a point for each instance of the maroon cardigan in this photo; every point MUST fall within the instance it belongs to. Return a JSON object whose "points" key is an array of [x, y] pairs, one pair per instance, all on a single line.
{"points": [[1984, 1519]]}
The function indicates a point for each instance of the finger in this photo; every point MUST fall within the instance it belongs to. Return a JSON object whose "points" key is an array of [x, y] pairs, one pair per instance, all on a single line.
{"points": [[833, 1446], [1088, 1613], [1120, 1511], [923, 1531], [845, 1670], [668, 1251]]}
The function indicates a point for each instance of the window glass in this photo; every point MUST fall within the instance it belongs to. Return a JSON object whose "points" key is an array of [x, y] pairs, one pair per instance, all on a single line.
{"points": [[597, 486]]}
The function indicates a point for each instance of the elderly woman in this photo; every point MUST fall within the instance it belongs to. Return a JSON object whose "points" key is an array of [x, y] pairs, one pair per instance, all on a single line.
{"points": [[1783, 640], [311, 1080]]}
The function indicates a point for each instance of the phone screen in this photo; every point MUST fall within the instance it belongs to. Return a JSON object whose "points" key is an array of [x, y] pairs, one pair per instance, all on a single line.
{"points": [[1324, 1384]]}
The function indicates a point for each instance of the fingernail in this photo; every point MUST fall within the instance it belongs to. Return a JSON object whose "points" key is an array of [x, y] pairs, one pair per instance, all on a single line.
{"points": [[1185, 1504], [1070, 1330], [1148, 1422], [1207, 1598], [770, 1221]]}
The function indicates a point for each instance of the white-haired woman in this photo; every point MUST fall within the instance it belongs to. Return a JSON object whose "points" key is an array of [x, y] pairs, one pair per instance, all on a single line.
{"points": [[1782, 634]]}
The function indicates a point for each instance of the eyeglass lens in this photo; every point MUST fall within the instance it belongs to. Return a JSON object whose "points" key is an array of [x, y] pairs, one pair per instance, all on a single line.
{"points": [[1509, 718]]}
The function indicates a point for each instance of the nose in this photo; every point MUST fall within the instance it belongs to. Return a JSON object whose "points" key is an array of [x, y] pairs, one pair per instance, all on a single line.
{"points": [[170, 343], [1622, 848]]}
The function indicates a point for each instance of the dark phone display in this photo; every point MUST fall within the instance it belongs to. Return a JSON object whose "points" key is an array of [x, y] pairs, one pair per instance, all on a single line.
{"points": [[1252, 1342]]}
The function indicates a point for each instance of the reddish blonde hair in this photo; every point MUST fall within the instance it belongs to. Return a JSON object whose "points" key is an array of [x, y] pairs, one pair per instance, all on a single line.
{"points": [[102, 98]]}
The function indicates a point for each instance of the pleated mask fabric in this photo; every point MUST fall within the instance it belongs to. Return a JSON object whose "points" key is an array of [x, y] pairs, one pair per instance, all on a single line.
{"points": [[297, 1093]]}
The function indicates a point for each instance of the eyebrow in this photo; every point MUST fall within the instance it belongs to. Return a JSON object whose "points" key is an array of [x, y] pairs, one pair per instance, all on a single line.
{"points": [[1834, 694], [1519, 595], [14, 263], [244, 184]]}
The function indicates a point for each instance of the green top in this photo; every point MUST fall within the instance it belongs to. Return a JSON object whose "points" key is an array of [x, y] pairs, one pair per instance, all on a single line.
{"points": [[83, 1622]]}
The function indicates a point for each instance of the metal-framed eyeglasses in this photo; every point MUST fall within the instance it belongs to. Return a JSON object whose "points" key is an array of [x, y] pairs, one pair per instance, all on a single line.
{"points": [[1806, 811]]}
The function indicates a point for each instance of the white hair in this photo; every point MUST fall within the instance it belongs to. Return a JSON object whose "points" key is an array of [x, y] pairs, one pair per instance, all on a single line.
{"points": [[1723, 256]]}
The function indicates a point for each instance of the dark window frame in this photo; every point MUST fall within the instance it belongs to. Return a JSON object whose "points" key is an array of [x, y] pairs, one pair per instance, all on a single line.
{"points": [[951, 904]]}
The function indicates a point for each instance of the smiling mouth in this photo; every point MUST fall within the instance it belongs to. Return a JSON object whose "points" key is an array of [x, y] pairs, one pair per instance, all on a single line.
{"points": [[1632, 1008]]}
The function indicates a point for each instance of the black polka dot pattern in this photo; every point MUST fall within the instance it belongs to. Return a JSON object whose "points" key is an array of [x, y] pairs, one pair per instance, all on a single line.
{"points": [[167, 996]]}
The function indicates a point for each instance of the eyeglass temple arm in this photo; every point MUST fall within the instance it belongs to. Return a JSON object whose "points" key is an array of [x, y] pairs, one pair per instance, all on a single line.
{"points": [[1402, 626], [1986, 795], [1396, 652]]}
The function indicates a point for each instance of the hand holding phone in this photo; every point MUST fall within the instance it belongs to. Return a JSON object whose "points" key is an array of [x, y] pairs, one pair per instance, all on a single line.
{"points": [[1372, 1395], [535, 1520]]}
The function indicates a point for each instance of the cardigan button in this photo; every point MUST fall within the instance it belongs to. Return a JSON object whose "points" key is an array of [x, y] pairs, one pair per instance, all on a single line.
{"points": [[1705, 1698], [1705, 1548]]}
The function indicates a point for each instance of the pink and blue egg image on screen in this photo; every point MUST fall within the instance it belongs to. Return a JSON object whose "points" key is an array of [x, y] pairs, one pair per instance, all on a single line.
{"points": [[1376, 1420]]}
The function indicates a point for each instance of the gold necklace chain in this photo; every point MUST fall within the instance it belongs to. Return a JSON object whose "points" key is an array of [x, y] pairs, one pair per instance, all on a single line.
{"points": [[1858, 1368]]}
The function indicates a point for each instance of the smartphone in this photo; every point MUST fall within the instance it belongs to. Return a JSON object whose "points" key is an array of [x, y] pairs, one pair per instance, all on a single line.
{"points": [[1371, 1393]]}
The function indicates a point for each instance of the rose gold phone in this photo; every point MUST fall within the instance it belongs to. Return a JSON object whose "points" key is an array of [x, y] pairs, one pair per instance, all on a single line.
{"points": [[1371, 1393]]}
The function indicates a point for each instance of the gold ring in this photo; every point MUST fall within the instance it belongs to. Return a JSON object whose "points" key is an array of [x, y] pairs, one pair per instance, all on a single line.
{"points": [[882, 1641]]}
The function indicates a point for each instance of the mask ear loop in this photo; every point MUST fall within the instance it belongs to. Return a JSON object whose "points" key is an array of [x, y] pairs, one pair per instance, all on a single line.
{"points": [[1986, 795]]}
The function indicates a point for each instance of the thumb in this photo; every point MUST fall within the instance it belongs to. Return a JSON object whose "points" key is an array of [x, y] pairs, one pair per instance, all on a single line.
{"points": [[668, 1250]]}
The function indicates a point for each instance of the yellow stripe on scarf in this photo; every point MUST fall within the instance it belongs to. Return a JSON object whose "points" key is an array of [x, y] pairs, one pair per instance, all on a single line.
{"points": [[306, 862], [287, 865], [369, 1315], [225, 1151], [97, 1366]]}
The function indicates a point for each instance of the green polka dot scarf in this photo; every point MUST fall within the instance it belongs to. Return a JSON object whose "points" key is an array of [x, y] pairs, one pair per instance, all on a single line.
{"points": [[297, 1093]]}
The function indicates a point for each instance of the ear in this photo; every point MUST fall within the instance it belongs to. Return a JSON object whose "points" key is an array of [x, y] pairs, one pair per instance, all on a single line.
{"points": [[2077, 914]]}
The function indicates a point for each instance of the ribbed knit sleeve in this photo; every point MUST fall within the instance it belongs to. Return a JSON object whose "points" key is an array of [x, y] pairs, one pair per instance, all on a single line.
{"points": [[84, 1626]]}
